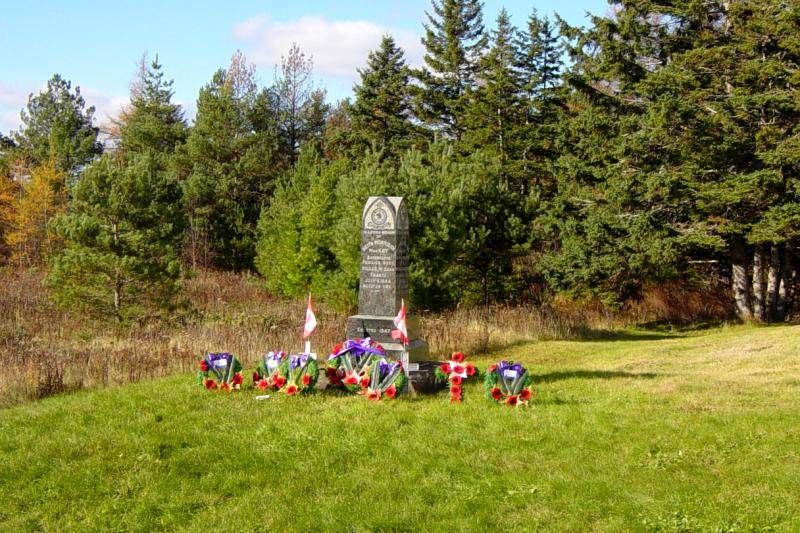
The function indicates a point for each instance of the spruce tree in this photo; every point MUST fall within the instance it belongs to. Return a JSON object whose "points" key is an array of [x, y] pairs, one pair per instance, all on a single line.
{"points": [[56, 124], [680, 148], [496, 112], [454, 41], [382, 111]]}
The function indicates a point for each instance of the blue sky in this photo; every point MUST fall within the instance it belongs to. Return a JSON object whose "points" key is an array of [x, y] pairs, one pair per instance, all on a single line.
{"points": [[96, 44]]}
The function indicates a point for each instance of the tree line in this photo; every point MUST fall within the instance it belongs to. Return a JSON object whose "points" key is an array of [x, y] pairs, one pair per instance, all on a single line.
{"points": [[660, 142]]}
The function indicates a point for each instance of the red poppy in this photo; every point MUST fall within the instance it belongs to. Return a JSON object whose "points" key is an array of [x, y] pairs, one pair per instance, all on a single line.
{"points": [[256, 377], [455, 380], [237, 379], [334, 376], [211, 384], [337, 348], [458, 357], [458, 369], [203, 365], [306, 380], [470, 369], [491, 368], [291, 390], [262, 384], [374, 396], [364, 382], [391, 392], [455, 398], [279, 381], [512, 400], [525, 395], [497, 394], [350, 380], [225, 387], [445, 368], [455, 390]]}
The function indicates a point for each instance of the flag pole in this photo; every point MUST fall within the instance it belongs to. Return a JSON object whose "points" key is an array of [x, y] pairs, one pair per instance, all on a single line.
{"points": [[308, 339]]}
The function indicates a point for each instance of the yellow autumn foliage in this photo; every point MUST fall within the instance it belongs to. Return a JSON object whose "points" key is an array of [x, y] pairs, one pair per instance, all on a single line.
{"points": [[43, 195]]}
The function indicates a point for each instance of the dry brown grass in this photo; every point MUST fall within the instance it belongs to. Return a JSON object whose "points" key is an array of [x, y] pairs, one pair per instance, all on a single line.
{"points": [[44, 350]]}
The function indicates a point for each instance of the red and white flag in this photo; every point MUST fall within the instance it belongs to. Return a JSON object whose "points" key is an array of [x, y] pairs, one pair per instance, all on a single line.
{"points": [[311, 320], [401, 333]]}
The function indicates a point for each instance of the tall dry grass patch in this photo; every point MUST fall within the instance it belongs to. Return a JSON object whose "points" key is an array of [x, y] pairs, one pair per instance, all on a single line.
{"points": [[44, 350]]}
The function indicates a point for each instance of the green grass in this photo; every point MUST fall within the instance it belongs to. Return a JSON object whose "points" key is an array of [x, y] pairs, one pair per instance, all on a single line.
{"points": [[641, 431]]}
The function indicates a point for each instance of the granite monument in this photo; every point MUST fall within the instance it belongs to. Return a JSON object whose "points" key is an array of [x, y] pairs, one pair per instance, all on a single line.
{"points": [[384, 284]]}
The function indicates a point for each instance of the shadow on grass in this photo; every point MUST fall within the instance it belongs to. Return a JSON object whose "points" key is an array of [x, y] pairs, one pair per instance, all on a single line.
{"points": [[595, 335], [590, 374], [676, 327], [552, 401]]}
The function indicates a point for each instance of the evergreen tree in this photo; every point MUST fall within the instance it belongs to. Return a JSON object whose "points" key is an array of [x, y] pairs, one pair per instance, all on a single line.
{"points": [[121, 236], [696, 157], [540, 60], [496, 112], [382, 110], [544, 95], [56, 124], [231, 158], [152, 121], [454, 42], [301, 107], [295, 230]]}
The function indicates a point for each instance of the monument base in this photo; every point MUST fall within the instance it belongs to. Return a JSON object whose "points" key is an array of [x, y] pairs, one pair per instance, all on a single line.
{"points": [[379, 329], [415, 355]]}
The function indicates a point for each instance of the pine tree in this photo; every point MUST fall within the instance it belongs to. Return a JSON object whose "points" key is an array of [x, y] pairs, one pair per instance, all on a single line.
{"points": [[382, 110], [454, 42], [301, 107], [231, 159], [122, 236], [56, 124], [152, 121]]}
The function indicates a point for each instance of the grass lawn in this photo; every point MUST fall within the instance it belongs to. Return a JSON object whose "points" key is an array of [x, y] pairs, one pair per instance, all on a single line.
{"points": [[641, 431]]}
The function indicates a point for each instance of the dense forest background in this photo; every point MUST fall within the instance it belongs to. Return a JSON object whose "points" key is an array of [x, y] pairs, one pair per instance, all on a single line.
{"points": [[660, 144]]}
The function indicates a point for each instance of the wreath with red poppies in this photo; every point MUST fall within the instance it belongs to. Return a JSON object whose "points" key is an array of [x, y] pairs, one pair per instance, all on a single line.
{"points": [[298, 374], [267, 374], [220, 372], [508, 383], [360, 366], [454, 372]]}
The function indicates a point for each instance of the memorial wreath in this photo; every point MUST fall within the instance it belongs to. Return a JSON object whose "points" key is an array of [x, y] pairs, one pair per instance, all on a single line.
{"points": [[220, 372], [267, 374], [360, 366], [509, 383]]}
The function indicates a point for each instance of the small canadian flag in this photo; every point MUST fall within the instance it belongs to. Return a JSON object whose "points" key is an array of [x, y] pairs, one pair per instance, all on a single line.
{"points": [[311, 320], [401, 333]]}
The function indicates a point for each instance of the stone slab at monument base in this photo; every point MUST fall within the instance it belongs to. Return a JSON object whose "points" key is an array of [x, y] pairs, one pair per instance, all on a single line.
{"points": [[415, 355]]}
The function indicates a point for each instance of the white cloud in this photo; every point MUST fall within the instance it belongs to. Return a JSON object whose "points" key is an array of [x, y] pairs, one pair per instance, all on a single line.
{"points": [[106, 107], [338, 47], [13, 100]]}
